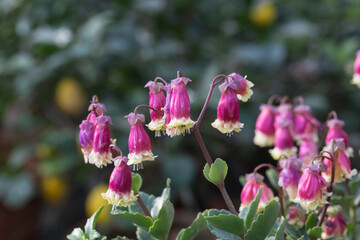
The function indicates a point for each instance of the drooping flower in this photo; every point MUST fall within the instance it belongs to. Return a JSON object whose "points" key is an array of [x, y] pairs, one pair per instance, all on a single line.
{"points": [[86, 136], [253, 182], [264, 127], [243, 90], [356, 76], [312, 187], [336, 131], [139, 141], [284, 112], [228, 110], [96, 108], [290, 175], [119, 192], [308, 149], [342, 163], [156, 100], [335, 224], [101, 155], [180, 119], [284, 143], [297, 216], [304, 123]]}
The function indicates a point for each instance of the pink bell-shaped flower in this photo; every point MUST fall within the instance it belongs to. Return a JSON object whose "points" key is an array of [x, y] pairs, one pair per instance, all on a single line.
{"points": [[139, 141], [308, 149], [95, 108], [264, 127], [297, 216], [228, 110], [119, 192], [336, 131], [312, 187], [304, 123], [335, 224], [101, 155], [284, 112], [284, 143], [290, 175], [356, 76], [253, 182], [156, 100], [86, 136], [342, 163], [180, 120], [243, 90]]}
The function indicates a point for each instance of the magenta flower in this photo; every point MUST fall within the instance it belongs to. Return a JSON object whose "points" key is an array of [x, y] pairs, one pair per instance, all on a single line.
{"points": [[290, 175], [312, 187], [308, 149], [284, 112], [86, 136], [119, 192], [297, 216], [264, 127], [335, 224], [253, 182], [101, 155], [284, 143], [228, 110], [96, 108], [156, 100], [139, 141], [356, 77], [304, 123], [180, 120], [243, 89], [336, 131]]}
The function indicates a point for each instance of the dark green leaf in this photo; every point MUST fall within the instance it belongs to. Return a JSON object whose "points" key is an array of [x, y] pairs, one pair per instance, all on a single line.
{"points": [[311, 221], [242, 180], [264, 222], [217, 172], [161, 227], [291, 231], [136, 182], [272, 175], [315, 233], [343, 201], [280, 231], [141, 234], [159, 201], [120, 238], [227, 226], [91, 222], [248, 213], [136, 218], [76, 234], [198, 225]]}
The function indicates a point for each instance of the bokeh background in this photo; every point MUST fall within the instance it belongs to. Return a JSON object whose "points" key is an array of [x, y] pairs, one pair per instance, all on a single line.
{"points": [[55, 54]]}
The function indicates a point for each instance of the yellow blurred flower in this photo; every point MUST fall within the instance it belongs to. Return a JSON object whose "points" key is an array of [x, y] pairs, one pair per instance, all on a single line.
{"points": [[70, 96], [263, 14], [94, 201], [53, 189]]}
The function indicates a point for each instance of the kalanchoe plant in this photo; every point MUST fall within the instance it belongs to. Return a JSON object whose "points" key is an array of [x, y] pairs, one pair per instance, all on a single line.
{"points": [[356, 76], [305, 180]]}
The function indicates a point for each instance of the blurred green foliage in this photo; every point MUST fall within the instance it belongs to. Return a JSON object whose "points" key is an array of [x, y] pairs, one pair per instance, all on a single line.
{"points": [[54, 55]]}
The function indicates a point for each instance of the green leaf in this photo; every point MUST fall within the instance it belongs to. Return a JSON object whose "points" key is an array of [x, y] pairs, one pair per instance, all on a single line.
{"points": [[242, 180], [136, 182], [301, 238], [121, 238], [311, 221], [136, 218], [159, 201], [198, 225], [355, 183], [226, 226], [76, 234], [91, 222], [280, 231], [148, 199], [217, 172], [315, 233], [248, 213], [141, 234], [161, 227], [343, 201], [264, 222], [291, 231], [272, 175]]}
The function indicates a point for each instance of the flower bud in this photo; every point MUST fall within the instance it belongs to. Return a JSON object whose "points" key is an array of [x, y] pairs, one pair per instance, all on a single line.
{"points": [[156, 100], [264, 127], [243, 89], [139, 141], [284, 143], [228, 110], [336, 131], [356, 77], [97, 108], [297, 216], [335, 224], [305, 123], [312, 187], [253, 182], [308, 149], [180, 120], [86, 136], [101, 155], [284, 112], [119, 192], [290, 175]]}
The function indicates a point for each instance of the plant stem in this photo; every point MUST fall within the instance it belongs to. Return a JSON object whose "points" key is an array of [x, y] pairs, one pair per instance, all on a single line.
{"points": [[280, 192], [226, 197], [268, 165], [143, 207], [147, 106]]}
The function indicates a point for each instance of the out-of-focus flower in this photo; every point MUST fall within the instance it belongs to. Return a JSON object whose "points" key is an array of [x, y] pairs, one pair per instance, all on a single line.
{"points": [[139, 141], [356, 77], [335, 224], [119, 192], [69, 96], [284, 143], [228, 110], [336, 132], [308, 149], [290, 175], [156, 100], [304, 123], [101, 155], [263, 14], [253, 182], [94, 201], [53, 188], [241, 85], [297, 216], [86, 137], [312, 187], [264, 128], [180, 119]]}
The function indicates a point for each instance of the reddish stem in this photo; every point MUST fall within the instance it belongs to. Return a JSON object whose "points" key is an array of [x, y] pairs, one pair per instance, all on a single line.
{"points": [[161, 79], [143, 206], [264, 165], [147, 106]]}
